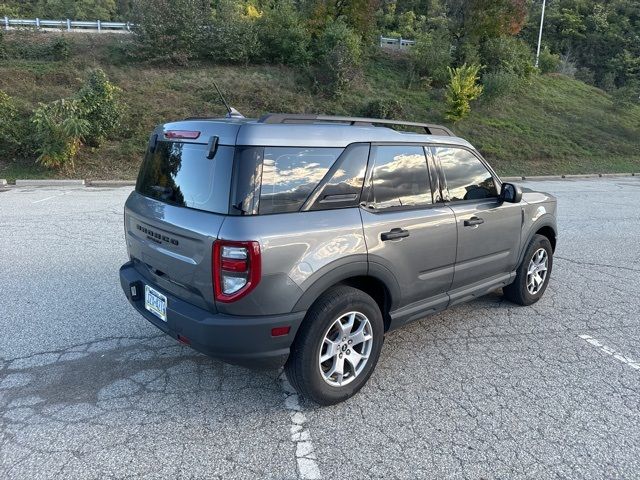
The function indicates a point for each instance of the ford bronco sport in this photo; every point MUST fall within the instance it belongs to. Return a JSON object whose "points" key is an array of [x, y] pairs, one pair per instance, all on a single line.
{"points": [[300, 240]]}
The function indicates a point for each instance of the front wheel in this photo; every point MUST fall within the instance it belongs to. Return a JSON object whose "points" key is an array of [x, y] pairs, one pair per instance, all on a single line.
{"points": [[337, 347], [532, 275]]}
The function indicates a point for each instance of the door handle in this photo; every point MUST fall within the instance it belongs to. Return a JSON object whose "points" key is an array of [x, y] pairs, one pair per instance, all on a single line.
{"points": [[473, 222], [394, 234]]}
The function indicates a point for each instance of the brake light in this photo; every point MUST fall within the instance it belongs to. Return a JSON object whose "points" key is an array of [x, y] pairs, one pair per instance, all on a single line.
{"points": [[236, 269], [188, 134]]}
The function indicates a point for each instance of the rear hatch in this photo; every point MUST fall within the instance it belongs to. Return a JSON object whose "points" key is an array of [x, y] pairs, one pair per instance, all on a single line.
{"points": [[179, 204]]}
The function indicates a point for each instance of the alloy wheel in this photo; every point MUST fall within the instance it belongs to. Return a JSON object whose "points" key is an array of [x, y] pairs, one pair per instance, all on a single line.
{"points": [[537, 271], [345, 349]]}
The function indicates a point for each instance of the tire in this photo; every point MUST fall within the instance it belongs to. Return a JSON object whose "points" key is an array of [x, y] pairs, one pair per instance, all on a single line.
{"points": [[519, 292], [305, 371]]}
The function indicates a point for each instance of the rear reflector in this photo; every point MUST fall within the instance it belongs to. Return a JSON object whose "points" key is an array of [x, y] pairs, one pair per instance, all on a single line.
{"points": [[184, 340], [176, 134], [280, 331]]}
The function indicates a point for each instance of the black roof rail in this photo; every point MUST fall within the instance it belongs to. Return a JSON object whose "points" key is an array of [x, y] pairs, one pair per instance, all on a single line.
{"points": [[429, 128]]}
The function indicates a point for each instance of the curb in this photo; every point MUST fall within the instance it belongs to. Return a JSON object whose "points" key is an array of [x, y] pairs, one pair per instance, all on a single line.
{"points": [[111, 183], [49, 183], [567, 177]]}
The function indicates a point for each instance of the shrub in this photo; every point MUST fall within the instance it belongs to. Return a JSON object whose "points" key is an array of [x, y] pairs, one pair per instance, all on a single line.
{"points": [[232, 37], [15, 131], [339, 53], [25, 46], [462, 88], [59, 130], [626, 96], [568, 67], [59, 49], [3, 48], [584, 75], [9, 141], [548, 62], [282, 35], [99, 104], [431, 56], [507, 54], [383, 108], [499, 83], [467, 52], [170, 29]]}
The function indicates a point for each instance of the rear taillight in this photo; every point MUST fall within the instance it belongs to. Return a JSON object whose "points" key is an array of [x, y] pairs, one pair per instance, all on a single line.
{"points": [[236, 269]]}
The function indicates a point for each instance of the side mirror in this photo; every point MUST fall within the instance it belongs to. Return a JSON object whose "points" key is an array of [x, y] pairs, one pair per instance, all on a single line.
{"points": [[510, 193]]}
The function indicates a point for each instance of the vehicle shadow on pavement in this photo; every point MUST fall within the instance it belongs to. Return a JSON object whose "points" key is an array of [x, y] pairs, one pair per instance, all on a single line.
{"points": [[116, 372]]}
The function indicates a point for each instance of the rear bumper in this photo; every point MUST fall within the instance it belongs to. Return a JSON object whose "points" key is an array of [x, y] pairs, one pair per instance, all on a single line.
{"points": [[242, 340]]}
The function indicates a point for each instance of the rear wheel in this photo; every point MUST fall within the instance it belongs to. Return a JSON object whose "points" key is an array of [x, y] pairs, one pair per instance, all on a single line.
{"points": [[337, 346], [532, 276]]}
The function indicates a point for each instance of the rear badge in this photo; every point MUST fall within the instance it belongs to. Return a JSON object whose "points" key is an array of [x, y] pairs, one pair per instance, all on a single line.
{"points": [[155, 236]]}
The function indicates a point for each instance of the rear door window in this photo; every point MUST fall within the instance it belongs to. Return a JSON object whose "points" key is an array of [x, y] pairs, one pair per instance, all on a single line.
{"points": [[290, 174], [400, 177], [180, 174]]}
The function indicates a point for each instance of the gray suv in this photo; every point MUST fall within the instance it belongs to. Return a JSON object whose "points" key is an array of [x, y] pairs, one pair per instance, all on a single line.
{"points": [[300, 240]]}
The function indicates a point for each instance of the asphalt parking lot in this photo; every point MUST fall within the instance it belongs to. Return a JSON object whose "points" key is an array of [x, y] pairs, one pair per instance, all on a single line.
{"points": [[89, 389]]}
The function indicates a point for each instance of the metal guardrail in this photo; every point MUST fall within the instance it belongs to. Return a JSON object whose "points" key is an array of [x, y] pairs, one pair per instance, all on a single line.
{"points": [[68, 25], [396, 42], [99, 26]]}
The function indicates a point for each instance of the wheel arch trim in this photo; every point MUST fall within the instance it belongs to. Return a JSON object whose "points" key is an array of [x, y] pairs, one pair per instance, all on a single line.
{"points": [[335, 275], [546, 221]]}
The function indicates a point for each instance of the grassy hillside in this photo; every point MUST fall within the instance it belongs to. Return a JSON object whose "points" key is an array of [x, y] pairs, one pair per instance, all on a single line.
{"points": [[551, 125]]}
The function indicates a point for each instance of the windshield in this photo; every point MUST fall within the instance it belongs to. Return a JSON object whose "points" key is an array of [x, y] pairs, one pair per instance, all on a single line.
{"points": [[180, 174]]}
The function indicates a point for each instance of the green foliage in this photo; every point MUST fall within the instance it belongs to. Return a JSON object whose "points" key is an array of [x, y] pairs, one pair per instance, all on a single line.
{"points": [[602, 37], [548, 62], [498, 84], [99, 105], [431, 56], [383, 108], [359, 15], [59, 130], [478, 20], [11, 11], [77, 9], [9, 136], [232, 37], [170, 29], [507, 54], [24, 46], [411, 19], [628, 96], [3, 47], [59, 49], [463, 87], [283, 36], [339, 54]]}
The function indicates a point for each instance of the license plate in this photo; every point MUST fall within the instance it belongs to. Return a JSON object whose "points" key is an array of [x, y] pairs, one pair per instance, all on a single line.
{"points": [[155, 302]]}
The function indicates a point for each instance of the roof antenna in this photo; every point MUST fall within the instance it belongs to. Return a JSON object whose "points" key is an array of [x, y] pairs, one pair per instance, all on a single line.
{"points": [[231, 112]]}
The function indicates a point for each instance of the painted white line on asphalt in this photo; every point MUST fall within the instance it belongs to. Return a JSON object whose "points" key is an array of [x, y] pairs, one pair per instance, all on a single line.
{"points": [[610, 351], [49, 198], [300, 435]]}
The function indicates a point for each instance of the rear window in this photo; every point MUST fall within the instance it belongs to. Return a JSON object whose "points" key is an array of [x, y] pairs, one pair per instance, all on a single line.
{"points": [[180, 174], [290, 174]]}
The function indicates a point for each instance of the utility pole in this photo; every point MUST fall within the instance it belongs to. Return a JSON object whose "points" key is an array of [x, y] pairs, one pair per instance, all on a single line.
{"points": [[544, 3]]}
